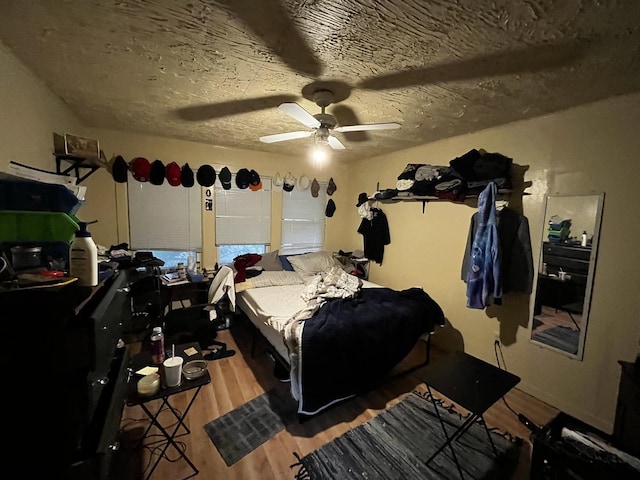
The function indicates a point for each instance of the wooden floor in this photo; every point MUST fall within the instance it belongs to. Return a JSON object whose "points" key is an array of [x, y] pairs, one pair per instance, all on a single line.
{"points": [[240, 378]]}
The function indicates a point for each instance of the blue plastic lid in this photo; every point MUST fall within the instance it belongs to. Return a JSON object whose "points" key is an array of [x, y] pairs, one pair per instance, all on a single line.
{"points": [[83, 232]]}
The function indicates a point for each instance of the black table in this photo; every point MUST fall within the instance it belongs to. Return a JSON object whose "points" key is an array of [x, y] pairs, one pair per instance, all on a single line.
{"points": [[470, 382], [165, 393]]}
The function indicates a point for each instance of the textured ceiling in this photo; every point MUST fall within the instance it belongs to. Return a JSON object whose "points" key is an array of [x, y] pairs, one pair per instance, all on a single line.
{"points": [[215, 72]]}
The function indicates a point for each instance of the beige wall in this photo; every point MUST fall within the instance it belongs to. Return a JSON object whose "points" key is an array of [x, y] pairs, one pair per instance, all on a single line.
{"points": [[30, 115], [585, 150]]}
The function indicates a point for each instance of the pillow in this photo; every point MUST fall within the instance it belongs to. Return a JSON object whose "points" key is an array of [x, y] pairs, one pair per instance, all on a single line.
{"points": [[273, 279], [309, 264], [270, 262]]}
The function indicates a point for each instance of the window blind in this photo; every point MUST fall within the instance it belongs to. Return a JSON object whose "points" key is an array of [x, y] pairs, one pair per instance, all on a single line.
{"points": [[162, 217], [243, 217], [303, 220]]}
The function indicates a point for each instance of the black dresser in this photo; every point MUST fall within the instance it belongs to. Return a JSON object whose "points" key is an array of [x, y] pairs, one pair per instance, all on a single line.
{"points": [[73, 376]]}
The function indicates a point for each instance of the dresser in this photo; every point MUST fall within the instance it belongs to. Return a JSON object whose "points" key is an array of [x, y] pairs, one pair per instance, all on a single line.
{"points": [[75, 373]]}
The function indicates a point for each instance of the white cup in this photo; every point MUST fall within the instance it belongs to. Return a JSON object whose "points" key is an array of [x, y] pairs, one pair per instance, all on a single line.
{"points": [[173, 371]]}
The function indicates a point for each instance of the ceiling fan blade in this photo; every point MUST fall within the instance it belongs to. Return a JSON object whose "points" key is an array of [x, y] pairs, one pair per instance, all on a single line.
{"points": [[527, 59], [346, 116], [298, 113], [335, 143], [198, 113], [368, 127], [278, 33], [282, 137]]}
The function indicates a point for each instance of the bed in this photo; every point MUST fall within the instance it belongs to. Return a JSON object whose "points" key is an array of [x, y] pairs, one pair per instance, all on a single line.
{"points": [[337, 334]]}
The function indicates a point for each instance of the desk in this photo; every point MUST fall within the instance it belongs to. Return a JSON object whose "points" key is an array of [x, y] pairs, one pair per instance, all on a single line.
{"points": [[144, 359], [471, 383], [195, 292]]}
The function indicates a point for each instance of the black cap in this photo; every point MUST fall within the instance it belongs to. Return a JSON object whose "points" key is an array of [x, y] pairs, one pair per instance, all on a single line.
{"points": [[156, 177], [254, 178], [206, 175], [243, 178], [119, 169], [225, 178], [362, 198], [331, 208], [186, 176]]}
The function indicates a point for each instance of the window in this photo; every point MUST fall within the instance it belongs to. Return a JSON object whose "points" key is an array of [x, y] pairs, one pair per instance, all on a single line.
{"points": [[303, 220], [243, 220], [165, 220]]}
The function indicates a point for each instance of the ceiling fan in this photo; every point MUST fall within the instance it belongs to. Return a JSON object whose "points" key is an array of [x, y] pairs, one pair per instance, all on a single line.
{"points": [[321, 125]]}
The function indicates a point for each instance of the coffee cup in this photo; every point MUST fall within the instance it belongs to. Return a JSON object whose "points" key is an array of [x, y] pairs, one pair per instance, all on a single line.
{"points": [[173, 371]]}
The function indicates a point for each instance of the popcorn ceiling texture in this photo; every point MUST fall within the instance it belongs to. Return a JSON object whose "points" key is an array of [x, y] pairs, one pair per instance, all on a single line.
{"points": [[215, 72]]}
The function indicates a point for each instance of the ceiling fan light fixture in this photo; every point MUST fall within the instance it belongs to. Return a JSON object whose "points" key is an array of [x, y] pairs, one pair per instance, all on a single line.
{"points": [[319, 155]]}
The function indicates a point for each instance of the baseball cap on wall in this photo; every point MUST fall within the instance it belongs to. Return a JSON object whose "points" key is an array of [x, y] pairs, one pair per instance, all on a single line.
{"points": [[243, 178], [206, 175], [331, 208], [255, 183], [186, 176], [119, 169], [225, 178], [289, 182], [315, 188], [173, 174], [157, 173], [303, 183], [140, 169], [331, 188]]}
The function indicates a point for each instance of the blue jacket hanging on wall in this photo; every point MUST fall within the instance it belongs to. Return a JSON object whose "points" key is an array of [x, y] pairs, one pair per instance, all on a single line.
{"points": [[483, 277]]}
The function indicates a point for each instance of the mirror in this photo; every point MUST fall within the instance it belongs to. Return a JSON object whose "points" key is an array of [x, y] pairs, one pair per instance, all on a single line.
{"points": [[565, 272]]}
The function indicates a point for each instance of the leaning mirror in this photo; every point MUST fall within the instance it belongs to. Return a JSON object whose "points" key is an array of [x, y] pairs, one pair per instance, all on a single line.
{"points": [[565, 274]]}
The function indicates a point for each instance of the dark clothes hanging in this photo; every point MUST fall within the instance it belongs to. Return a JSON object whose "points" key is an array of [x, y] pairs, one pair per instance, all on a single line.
{"points": [[515, 249], [375, 233]]}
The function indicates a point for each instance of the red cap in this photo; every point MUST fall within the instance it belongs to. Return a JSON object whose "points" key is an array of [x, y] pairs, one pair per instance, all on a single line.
{"points": [[173, 174], [141, 169]]}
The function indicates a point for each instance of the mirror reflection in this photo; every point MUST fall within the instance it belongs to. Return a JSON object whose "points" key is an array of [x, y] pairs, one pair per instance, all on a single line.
{"points": [[565, 273]]}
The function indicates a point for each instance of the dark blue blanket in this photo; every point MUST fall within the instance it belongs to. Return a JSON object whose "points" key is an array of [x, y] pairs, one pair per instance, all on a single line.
{"points": [[349, 345]]}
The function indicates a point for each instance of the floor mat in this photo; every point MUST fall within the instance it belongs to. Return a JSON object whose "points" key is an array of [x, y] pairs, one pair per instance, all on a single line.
{"points": [[244, 429]]}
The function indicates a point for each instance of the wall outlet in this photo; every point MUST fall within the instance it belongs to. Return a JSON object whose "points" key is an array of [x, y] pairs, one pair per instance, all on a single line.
{"points": [[496, 336]]}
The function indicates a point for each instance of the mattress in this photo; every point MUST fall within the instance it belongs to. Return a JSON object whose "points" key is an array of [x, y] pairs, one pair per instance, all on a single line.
{"points": [[270, 308]]}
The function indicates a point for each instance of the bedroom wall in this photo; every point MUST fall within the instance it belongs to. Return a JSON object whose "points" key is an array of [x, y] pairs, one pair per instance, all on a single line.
{"points": [[584, 150], [30, 114]]}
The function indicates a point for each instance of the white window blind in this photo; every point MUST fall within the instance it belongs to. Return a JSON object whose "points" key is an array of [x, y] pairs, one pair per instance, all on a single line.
{"points": [[303, 220], [162, 217], [243, 217]]}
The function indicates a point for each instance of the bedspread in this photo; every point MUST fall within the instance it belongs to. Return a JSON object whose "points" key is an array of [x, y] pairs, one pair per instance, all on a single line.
{"points": [[350, 344]]}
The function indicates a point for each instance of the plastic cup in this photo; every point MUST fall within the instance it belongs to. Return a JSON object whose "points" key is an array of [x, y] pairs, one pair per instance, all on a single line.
{"points": [[173, 371]]}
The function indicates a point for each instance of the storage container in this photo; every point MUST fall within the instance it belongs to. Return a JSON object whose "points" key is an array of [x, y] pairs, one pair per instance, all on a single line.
{"points": [[24, 226], [30, 195]]}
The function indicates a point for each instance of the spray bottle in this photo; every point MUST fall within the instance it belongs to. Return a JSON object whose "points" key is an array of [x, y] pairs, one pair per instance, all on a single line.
{"points": [[83, 258]]}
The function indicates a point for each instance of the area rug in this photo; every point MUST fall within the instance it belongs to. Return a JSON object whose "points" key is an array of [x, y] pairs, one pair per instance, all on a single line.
{"points": [[245, 428], [396, 443], [562, 338]]}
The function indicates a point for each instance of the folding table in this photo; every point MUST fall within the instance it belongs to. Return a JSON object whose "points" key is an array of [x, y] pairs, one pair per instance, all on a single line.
{"points": [[188, 351], [470, 382]]}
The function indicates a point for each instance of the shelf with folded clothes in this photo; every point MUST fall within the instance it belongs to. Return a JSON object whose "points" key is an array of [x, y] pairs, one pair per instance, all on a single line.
{"points": [[429, 198]]}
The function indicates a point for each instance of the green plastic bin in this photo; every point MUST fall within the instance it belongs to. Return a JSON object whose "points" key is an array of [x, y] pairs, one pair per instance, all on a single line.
{"points": [[23, 226]]}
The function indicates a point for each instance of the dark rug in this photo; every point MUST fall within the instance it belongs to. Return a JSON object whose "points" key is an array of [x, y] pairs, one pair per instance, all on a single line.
{"points": [[396, 443], [244, 429], [562, 338]]}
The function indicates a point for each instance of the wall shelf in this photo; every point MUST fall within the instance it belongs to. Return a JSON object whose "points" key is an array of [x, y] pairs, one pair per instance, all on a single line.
{"points": [[78, 164]]}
